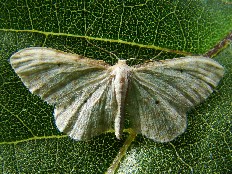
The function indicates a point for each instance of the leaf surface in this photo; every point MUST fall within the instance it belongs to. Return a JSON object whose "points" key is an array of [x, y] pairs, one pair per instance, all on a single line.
{"points": [[29, 139]]}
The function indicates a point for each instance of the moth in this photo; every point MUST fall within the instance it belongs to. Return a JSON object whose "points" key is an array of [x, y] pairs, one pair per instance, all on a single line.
{"points": [[92, 97]]}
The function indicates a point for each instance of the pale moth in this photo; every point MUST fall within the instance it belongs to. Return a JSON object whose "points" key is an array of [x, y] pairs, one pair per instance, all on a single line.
{"points": [[92, 97]]}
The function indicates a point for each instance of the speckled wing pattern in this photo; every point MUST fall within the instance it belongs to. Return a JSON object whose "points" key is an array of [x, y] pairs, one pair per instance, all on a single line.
{"points": [[161, 92], [80, 88]]}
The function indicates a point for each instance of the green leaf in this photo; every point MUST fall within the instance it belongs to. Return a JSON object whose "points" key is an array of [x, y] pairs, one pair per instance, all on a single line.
{"points": [[29, 140]]}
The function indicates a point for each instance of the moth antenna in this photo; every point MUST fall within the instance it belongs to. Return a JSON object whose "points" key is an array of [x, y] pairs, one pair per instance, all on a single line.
{"points": [[134, 58], [70, 51], [157, 55], [102, 49]]}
